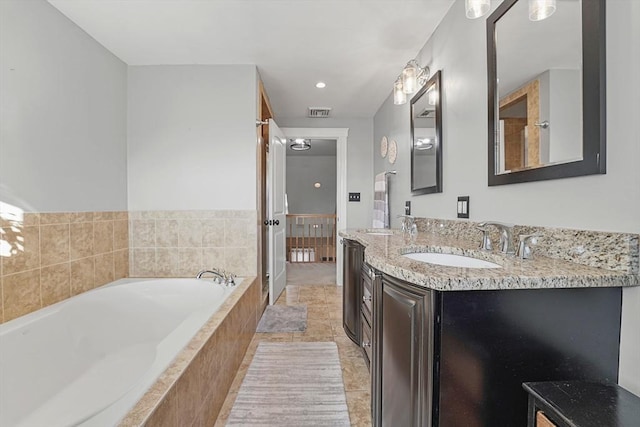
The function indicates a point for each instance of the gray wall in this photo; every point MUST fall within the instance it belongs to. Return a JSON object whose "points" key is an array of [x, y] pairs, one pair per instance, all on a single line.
{"points": [[302, 173], [359, 166], [602, 202], [63, 113], [192, 137]]}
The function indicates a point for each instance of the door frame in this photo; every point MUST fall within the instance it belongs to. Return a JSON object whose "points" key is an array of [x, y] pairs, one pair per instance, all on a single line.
{"points": [[341, 137]]}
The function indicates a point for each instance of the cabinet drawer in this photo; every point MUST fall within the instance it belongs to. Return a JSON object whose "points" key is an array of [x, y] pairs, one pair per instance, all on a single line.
{"points": [[543, 421], [366, 340]]}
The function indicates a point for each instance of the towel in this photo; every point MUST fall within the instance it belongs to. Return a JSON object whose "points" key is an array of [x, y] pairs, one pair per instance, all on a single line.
{"points": [[380, 202]]}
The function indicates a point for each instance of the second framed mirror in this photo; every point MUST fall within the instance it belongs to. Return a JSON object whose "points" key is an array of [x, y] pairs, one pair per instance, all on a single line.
{"points": [[426, 138]]}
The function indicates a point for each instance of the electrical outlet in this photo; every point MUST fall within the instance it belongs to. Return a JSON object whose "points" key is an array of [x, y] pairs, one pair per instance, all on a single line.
{"points": [[463, 206], [407, 208], [354, 197]]}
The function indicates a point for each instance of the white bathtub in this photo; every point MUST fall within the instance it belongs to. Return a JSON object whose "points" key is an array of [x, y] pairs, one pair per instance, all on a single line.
{"points": [[87, 360]]}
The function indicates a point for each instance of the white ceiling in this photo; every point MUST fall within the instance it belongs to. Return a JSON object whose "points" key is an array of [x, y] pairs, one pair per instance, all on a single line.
{"points": [[358, 47]]}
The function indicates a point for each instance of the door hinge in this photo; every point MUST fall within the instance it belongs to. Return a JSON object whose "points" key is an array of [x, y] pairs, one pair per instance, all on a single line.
{"points": [[261, 122]]}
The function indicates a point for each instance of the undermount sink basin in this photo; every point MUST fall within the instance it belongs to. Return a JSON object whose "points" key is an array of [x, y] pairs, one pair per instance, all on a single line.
{"points": [[380, 233], [451, 260]]}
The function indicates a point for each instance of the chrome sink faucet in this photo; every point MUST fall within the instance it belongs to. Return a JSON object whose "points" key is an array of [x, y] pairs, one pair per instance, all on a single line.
{"points": [[506, 237], [409, 227]]}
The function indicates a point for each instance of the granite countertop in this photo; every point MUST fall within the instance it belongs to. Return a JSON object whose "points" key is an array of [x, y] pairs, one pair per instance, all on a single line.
{"points": [[385, 254]]}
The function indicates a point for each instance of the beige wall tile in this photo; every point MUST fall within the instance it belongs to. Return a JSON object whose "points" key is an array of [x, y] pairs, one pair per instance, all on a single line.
{"points": [[21, 294], [239, 233], [120, 215], [190, 261], [55, 218], [241, 261], [120, 234], [143, 262], [121, 264], [103, 216], [81, 240], [54, 244], [213, 233], [82, 275], [167, 233], [103, 237], [168, 262], [213, 258], [25, 249], [81, 217], [190, 233], [143, 233], [30, 219], [55, 283], [103, 269]]}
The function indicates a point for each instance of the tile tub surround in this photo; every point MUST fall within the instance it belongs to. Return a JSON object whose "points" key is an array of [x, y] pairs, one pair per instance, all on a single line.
{"points": [[385, 254], [192, 390], [180, 243], [612, 251], [48, 257]]}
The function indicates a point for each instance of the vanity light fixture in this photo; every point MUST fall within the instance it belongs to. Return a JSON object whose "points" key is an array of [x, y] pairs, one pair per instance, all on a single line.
{"points": [[412, 78], [321, 85], [541, 9], [399, 97], [538, 9], [476, 8], [300, 144]]}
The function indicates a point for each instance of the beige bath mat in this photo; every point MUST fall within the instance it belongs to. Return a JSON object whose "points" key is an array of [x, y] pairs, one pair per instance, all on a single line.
{"points": [[292, 384]]}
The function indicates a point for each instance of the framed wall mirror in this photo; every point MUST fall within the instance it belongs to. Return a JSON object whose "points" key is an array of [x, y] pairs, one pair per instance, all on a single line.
{"points": [[546, 91], [426, 138]]}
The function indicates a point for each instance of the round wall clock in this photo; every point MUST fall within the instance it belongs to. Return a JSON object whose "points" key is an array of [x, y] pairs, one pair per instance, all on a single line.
{"points": [[383, 147], [393, 151]]}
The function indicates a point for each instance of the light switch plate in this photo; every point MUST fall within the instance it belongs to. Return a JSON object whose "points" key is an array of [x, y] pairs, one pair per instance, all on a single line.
{"points": [[463, 206], [354, 197]]}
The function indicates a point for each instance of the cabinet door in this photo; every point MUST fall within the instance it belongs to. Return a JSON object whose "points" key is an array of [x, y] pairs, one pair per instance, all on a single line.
{"points": [[351, 293], [405, 325]]}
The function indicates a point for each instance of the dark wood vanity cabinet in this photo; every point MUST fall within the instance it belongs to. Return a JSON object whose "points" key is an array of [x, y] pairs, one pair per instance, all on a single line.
{"points": [[459, 358], [353, 256], [403, 344]]}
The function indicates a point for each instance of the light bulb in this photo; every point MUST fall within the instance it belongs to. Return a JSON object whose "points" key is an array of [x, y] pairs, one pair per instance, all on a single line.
{"points": [[541, 9], [476, 8], [399, 97], [410, 77]]}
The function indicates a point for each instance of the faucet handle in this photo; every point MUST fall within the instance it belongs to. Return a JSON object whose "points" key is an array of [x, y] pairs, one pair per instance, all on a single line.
{"points": [[524, 247], [485, 244]]}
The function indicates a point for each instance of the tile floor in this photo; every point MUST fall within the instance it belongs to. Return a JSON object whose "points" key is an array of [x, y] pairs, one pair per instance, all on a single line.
{"points": [[324, 323]]}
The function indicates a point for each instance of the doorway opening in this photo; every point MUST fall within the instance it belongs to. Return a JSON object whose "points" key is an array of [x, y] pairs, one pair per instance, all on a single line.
{"points": [[319, 232]]}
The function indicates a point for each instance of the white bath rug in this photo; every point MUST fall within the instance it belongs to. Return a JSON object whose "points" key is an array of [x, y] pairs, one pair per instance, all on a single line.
{"points": [[283, 318], [292, 384]]}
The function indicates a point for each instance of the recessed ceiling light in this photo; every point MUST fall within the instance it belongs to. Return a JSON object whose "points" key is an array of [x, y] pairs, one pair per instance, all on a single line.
{"points": [[321, 85]]}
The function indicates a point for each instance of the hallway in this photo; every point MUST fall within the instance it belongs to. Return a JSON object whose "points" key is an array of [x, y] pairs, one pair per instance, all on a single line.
{"points": [[324, 323]]}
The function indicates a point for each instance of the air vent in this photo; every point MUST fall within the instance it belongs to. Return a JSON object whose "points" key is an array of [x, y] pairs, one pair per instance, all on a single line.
{"points": [[319, 112], [426, 113]]}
